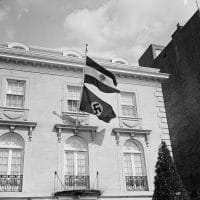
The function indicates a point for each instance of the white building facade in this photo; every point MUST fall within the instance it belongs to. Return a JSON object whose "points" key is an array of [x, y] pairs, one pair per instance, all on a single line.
{"points": [[44, 154]]}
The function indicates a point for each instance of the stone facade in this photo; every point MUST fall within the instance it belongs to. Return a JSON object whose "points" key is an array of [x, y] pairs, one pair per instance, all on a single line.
{"points": [[45, 129]]}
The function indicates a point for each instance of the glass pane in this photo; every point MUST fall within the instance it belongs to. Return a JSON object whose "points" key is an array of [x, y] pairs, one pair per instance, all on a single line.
{"points": [[81, 162], [73, 93], [128, 104], [14, 101], [131, 146], [128, 98], [3, 161], [129, 111], [16, 162], [69, 164], [15, 87], [128, 165], [138, 164], [73, 105]]}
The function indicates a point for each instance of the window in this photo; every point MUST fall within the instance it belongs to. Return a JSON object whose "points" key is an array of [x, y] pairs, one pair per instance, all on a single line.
{"points": [[73, 98], [134, 167], [15, 93], [76, 164], [128, 104], [11, 163]]}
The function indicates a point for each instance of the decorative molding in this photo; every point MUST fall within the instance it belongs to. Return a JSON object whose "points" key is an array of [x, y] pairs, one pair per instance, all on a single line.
{"points": [[75, 129], [53, 60], [13, 113], [132, 133], [130, 122], [13, 125]]}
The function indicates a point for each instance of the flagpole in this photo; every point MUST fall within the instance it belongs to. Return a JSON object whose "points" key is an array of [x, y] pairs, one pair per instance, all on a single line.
{"points": [[82, 84]]}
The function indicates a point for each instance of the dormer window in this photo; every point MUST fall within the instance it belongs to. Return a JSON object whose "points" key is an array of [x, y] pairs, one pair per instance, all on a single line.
{"points": [[119, 61], [70, 53], [18, 46]]}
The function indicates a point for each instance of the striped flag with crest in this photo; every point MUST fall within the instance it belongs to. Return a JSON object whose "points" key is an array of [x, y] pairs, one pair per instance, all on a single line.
{"points": [[105, 81]]}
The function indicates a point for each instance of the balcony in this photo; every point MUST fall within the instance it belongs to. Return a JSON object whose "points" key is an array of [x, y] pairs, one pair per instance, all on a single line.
{"points": [[76, 182], [11, 183], [136, 183]]}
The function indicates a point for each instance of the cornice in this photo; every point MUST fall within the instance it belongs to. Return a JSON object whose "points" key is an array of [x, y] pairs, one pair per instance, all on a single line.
{"points": [[13, 125], [59, 128], [57, 61]]}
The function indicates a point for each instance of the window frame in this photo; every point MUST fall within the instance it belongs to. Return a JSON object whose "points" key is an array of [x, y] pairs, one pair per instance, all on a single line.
{"points": [[23, 95], [11, 149], [132, 154], [67, 98], [64, 105], [145, 172], [12, 173], [135, 107], [75, 155], [3, 94]]}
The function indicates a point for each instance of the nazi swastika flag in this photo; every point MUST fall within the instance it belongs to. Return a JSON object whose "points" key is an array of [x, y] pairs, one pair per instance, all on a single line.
{"points": [[90, 103]]}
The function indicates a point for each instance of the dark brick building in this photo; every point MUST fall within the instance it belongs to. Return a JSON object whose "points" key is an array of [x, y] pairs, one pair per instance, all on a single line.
{"points": [[181, 59]]}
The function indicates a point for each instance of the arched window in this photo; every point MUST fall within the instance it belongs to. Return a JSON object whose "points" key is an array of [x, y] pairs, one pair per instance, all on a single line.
{"points": [[76, 164], [134, 166], [11, 162]]}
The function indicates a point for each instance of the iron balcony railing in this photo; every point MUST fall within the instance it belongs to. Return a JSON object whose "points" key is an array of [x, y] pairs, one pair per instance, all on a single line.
{"points": [[11, 183], [136, 183], [73, 182]]}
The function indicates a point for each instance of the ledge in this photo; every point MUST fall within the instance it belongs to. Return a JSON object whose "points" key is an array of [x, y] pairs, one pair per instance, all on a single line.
{"points": [[78, 193]]}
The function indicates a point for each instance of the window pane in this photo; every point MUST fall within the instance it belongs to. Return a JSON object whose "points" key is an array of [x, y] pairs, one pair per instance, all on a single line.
{"points": [[81, 162], [128, 165], [15, 87], [138, 164], [16, 162], [128, 104], [3, 161], [73, 92], [69, 165], [15, 93], [73, 97], [72, 105], [129, 111], [15, 101], [128, 98]]}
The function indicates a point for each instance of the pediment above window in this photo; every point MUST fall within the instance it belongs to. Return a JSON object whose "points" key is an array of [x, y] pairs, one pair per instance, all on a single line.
{"points": [[132, 133], [14, 125], [61, 128]]}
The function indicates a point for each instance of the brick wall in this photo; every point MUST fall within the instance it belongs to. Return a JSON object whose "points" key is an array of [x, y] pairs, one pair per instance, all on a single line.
{"points": [[181, 59]]}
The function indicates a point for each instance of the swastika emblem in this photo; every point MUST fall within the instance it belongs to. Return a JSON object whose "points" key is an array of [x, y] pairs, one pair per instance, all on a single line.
{"points": [[97, 108]]}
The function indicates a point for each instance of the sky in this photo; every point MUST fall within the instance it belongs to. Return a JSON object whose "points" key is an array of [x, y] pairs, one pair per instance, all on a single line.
{"points": [[111, 28]]}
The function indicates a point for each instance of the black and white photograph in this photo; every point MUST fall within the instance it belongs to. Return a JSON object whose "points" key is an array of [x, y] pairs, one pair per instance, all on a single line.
{"points": [[99, 99]]}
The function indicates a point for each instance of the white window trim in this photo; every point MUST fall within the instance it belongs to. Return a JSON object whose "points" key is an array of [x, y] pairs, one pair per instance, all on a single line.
{"points": [[4, 88], [75, 151], [65, 98], [16, 95], [137, 104], [10, 152]]}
